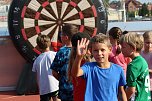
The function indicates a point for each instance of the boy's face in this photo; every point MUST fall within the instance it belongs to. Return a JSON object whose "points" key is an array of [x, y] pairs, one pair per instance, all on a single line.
{"points": [[148, 45], [127, 50], [100, 52]]}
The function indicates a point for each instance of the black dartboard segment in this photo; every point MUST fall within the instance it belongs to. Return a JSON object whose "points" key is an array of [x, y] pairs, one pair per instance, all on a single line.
{"points": [[30, 18]]}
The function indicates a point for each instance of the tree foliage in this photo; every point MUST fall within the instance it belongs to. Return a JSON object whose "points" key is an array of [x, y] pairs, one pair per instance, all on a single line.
{"points": [[106, 3], [144, 10]]}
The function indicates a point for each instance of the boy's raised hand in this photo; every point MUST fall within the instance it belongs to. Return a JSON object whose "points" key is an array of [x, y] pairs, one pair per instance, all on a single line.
{"points": [[82, 46]]}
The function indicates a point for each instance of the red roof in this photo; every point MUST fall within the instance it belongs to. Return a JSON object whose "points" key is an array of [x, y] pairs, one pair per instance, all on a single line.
{"points": [[136, 3]]}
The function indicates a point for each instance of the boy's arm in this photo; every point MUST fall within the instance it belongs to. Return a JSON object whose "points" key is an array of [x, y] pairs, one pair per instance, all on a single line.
{"points": [[56, 65], [55, 74], [81, 51], [76, 69], [130, 91], [150, 71], [123, 93]]}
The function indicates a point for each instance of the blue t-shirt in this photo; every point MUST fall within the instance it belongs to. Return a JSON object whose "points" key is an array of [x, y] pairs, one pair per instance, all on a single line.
{"points": [[102, 84], [60, 65]]}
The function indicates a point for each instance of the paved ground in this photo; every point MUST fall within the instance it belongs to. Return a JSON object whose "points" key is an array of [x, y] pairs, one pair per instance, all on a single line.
{"points": [[11, 96]]}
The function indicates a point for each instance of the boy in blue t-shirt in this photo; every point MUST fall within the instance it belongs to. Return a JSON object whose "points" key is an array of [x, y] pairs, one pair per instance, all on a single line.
{"points": [[103, 78], [60, 64]]}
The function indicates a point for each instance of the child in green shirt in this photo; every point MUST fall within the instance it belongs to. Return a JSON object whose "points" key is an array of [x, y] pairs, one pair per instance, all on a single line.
{"points": [[137, 71]]}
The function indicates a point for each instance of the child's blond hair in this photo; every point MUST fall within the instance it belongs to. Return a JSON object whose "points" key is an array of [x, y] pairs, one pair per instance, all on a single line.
{"points": [[147, 35], [133, 39]]}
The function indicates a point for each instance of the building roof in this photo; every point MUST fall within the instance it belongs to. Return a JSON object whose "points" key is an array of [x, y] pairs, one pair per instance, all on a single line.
{"points": [[5, 2], [115, 4], [136, 3]]}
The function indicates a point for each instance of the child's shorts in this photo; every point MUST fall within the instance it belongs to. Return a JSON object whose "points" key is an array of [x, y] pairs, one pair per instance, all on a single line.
{"points": [[47, 97]]}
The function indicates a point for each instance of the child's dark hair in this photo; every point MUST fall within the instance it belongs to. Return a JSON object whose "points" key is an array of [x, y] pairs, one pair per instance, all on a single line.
{"points": [[69, 30], [43, 41], [124, 32], [74, 39], [116, 33]]}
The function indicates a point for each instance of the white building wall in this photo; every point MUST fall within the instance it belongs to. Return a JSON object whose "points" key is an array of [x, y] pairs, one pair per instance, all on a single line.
{"points": [[114, 15]]}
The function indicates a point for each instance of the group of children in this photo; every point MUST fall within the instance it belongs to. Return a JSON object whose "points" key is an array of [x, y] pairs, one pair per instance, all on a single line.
{"points": [[95, 68]]}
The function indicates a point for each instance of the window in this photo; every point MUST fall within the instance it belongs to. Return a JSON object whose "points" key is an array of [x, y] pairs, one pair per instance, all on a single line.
{"points": [[4, 8]]}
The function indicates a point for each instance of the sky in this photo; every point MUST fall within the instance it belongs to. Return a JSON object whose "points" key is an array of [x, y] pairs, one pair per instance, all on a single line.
{"points": [[142, 1], [145, 1]]}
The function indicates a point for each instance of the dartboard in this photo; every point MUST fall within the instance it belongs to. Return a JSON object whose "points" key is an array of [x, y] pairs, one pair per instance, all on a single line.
{"points": [[30, 18]]}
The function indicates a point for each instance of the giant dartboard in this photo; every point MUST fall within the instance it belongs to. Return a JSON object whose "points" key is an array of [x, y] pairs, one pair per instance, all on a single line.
{"points": [[30, 18]]}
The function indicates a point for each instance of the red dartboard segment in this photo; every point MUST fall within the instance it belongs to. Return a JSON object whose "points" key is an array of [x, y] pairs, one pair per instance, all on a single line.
{"points": [[81, 28], [95, 32], [23, 11], [45, 4], [30, 18], [24, 34], [94, 11], [37, 51], [73, 4], [81, 15], [37, 15]]}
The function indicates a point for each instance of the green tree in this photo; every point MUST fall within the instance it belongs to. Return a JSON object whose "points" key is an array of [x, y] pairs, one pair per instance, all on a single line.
{"points": [[144, 10], [131, 14], [106, 3]]}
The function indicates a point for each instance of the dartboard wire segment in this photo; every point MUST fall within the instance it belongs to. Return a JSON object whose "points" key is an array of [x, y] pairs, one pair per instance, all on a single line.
{"points": [[47, 17]]}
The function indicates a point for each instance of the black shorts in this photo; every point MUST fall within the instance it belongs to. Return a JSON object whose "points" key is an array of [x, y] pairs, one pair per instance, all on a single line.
{"points": [[47, 97]]}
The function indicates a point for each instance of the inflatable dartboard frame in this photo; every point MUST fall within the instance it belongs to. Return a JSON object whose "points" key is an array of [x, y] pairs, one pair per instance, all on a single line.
{"points": [[29, 18]]}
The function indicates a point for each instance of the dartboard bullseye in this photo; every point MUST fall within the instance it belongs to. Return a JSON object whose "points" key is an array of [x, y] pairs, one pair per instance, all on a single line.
{"points": [[30, 18]]}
